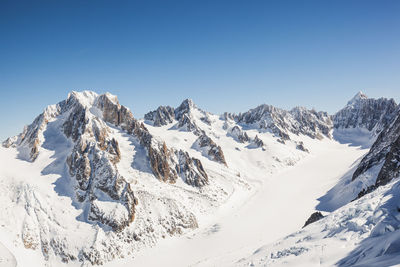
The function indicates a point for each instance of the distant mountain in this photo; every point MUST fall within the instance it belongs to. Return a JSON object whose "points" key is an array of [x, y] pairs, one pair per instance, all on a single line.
{"points": [[299, 121], [362, 119]]}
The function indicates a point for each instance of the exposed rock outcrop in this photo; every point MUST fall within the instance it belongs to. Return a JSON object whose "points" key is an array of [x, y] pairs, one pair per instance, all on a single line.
{"points": [[191, 169], [266, 117], [29, 141], [92, 164], [188, 124], [316, 216], [239, 135], [184, 108], [210, 149], [300, 146], [363, 112], [311, 123], [257, 142], [386, 151], [165, 163], [182, 114], [163, 115], [206, 119], [228, 116], [281, 122]]}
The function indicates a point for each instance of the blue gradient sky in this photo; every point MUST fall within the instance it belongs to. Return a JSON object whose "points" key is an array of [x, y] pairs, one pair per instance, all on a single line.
{"points": [[225, 55]]}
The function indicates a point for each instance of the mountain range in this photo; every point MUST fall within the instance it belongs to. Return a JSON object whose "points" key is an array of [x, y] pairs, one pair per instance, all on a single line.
{"points": [[87, 183]]}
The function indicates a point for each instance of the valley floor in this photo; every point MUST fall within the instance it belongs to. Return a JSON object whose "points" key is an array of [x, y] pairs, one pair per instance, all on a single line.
{"points": [[280, 206]]}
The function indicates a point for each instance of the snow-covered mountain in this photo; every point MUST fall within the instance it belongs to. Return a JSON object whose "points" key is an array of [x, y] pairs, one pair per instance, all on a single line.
{"points": [[362, 119], [88, 183], [120, 181]]}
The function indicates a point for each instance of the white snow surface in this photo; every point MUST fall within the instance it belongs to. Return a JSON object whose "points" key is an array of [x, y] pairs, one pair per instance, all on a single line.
{"points": [[363, 233]]}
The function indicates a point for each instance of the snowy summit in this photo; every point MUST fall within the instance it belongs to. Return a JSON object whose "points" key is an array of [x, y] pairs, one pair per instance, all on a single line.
{"points": [[357, 99]]}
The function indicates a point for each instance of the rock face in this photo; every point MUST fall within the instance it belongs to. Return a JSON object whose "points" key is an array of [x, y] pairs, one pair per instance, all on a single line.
{"points": [[187, 124], [386, 152], [161, 116], [185, 108], [186, 121], [93, 164], [206, 119], [167, 164], [239, 135], [210, 148], [182, 114], [191, 169], [300, 146], [316, 216], [363, 112], [311, 123], [29, 141], [281, 122], [257, 142], [266, 117]]}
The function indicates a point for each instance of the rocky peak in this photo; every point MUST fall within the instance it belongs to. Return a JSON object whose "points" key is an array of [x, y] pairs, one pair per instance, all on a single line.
{"points": [[163, 115], [185, 107], [311, 123], [368, 113], [29, 141], [266, 117], [239, 135], [359, 97], [85, 98], [185, 115], [210, 149], [281, 122], [91, 162], [227, 116]]}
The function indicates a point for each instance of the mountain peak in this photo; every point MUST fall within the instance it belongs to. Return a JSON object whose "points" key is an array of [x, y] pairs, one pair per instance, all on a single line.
{"points": [[187, 103], [112, 98], [359, 96], [89, 98], [184, 108], [86, 98]]}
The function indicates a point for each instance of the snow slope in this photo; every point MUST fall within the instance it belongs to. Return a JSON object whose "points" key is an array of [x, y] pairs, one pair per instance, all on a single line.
{"points": [[7, 259], [280, 206], [363, 233]]}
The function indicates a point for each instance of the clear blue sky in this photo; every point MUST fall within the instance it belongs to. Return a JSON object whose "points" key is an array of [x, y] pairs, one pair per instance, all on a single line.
{"points": [[225, 55]]}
